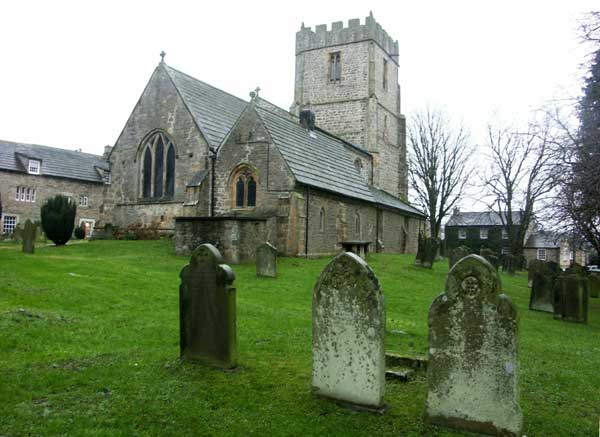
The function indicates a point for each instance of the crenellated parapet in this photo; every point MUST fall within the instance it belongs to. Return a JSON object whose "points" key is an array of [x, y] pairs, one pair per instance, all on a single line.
{"points": [[307, 39]]}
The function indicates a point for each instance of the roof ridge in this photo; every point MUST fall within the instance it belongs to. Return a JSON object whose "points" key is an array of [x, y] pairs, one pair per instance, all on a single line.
{"points": [[49, 147], [207, 84]]}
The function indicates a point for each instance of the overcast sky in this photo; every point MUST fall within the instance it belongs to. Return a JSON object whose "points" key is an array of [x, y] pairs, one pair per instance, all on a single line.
{"points": [[73, 71]]}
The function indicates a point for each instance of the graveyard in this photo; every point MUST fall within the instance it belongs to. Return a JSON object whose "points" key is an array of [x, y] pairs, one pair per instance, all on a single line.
{"points": [[91, 345]]}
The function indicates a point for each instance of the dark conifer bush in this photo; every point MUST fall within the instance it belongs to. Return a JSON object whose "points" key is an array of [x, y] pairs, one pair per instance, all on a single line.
{"points": [[80, 232], [58, 219]]}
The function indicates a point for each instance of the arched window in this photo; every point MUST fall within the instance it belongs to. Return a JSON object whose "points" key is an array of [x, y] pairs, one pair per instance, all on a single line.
{"points": [[357, 224], [322, 219], [244, 188], [158, 179]]}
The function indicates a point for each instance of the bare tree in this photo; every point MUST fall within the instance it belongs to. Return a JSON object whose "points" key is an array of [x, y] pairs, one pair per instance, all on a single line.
{"points": [[439, 164], [519, 176]]}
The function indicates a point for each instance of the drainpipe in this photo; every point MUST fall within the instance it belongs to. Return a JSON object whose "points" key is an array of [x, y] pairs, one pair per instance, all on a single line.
{"points": [[377, 217], [213, 160], [306, 224]]}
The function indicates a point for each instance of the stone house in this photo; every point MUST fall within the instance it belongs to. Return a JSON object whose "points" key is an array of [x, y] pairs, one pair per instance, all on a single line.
{"points": [[478, 230], [549, 246], [211, 167], [30, 174]]}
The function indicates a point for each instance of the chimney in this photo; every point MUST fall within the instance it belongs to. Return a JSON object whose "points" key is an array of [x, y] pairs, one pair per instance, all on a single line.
{"points": [[307, 119], [107, 150], [456, 211]]}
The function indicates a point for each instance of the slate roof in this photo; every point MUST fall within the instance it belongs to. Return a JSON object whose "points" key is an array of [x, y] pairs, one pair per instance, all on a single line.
{"points": [[215, 111], [543, 239], [386, 199], [198, 178], [54, 162], [485, 218]]}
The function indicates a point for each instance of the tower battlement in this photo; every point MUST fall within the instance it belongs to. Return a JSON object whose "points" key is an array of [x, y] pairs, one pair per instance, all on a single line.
{"points": [[307, 39]]}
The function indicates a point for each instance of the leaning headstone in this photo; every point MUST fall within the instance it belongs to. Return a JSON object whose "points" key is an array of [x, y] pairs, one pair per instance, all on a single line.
{"points": [[207, 310], [542, 290], [457, 254], [429, 252], [266, 260], [420, 249], [472, 371], [594, 285], [29, 237], [348, 327], [571, 298]]}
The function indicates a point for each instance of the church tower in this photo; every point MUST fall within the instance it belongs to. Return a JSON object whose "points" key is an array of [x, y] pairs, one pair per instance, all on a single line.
{"points": [[349, 77]]}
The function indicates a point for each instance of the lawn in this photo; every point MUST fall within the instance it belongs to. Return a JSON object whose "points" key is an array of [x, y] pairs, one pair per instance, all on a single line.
{"points": [[89, 345]]}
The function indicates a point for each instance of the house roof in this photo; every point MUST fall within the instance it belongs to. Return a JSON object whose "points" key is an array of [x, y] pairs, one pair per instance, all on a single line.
{"points": [[317, 159], [54, 162], [485, 218], [543, 239], [214, 111]]}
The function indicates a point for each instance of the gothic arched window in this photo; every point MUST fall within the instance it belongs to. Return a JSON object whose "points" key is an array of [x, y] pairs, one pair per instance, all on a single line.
{"points": [[158, 179], [244, 188]]}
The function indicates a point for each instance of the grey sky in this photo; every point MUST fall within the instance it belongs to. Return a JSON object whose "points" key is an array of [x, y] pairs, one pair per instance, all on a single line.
{"points": [[73, 71]]}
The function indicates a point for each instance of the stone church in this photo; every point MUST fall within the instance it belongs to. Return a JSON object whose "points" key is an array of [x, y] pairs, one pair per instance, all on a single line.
{"points": [[210, 167]]}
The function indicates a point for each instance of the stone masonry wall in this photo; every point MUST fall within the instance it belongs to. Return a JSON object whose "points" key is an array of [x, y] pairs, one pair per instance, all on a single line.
{"points": [[159, 107], [46, 187]]}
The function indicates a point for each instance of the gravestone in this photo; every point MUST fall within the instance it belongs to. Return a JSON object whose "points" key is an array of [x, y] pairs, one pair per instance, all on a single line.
{"points": [[594, 285], [29, 231], [348, 317], [542, 290], [457, 254], [571, 298], [491, 257], [472, 370], [535, 265], [430, 248], [266, 260], [420, 249], [207, 310]]}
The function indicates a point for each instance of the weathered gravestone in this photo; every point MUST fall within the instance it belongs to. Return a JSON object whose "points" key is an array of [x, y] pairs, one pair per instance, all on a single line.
{"points": [[207, 310], [429, 252], [348, 317], [491, 257], [457, 254], [472, 370], [571, 298], [420, 249], [29, 232], [266, 260], [534, 266], [542, 289], [594, 285]]}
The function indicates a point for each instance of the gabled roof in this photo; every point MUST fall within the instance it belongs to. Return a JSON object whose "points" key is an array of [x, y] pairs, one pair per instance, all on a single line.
{"points": [[214, 111], [54, 162], [543, 239], [485, 218]]}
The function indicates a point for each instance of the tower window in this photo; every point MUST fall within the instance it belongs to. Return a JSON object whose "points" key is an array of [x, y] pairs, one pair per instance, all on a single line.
{"points": [[385, 74], [335, 67]]}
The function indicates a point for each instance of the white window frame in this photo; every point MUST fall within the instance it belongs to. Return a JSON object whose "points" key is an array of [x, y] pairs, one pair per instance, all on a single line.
{"points": [[462, 234], [541, 254], [505, 250], [33, 166], [16, 222], [18, 194], [504, 234], [83, 201], [33, 195], [483, 233], [92, 221]]}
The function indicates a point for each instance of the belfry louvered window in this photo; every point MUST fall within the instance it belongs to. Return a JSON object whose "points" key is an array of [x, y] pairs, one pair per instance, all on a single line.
{"points": [[158, 167]]}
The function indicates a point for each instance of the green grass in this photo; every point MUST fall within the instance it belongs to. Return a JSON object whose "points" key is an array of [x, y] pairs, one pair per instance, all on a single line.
{"points": [[89, 345]]}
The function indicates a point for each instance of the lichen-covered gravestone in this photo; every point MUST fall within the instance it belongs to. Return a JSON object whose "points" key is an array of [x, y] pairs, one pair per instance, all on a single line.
{"points": [[472, 372], [348, 318], [266, 260], [29, 237], [542, 289], [457, 254], [571, 298], [207, 310]]}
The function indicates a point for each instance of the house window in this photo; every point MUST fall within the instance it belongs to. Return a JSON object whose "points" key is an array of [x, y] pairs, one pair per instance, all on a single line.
{"points": [[9, 224], [541, 254], [322, 219], [33, 166], [25, 194], [157, 167], [505, 251], [335, 67], [244, 188], [483, 233], [504, 234], [385, 74], [462, 234], [83, 201]]}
